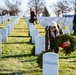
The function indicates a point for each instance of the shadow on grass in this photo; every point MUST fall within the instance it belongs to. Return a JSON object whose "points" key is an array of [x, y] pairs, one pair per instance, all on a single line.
{"points": [[67, 57], [20, 36], [73, 61], [21, 28], [33, 51], [18, 43], [14, 56], [28, 60], [29, 72], [14, 73]]}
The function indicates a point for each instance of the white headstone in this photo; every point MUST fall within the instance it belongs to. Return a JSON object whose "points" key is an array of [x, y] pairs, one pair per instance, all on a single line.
{"points": [[50, 63], [32, 27], [3, 19], [0, 19], [12, 26], [9, 28], [0, 44], [63, 22], [39, 44], [34, 34], [63, 25], [66, 32], [4, 33], [71, 28], [29, 24], [43, 21]]}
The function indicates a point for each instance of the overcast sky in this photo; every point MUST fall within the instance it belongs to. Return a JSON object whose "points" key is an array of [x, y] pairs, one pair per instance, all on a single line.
{"points": [[24, 4], [48, 3]]}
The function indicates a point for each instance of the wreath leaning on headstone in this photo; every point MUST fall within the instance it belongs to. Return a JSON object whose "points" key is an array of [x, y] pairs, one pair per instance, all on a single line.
{"points": [[67, 42]]}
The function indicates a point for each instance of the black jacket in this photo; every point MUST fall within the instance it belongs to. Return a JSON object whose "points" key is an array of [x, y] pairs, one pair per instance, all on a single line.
{"points": [[53, 40], [32, 14], [74, 22]]}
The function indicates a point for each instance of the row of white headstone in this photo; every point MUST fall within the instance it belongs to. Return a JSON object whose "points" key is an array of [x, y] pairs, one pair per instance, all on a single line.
{"points": [[50, 59], [63, 21], [37, 39], [4, 32], [5, 18], [8, 28]]}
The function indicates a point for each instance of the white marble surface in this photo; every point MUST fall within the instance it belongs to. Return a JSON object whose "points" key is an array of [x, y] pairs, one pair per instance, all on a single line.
{"points": [[71, 28], [4, 33], [9, 28], [0, 44], [66, 32], [0, 19], [50, 63], [34, 34], [63, 23], [12, 26], [39, 44], [32, 27], [29, 24]]}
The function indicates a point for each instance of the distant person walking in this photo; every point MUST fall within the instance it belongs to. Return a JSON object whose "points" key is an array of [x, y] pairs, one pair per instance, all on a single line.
{"points": [[74, 24], [32, 16]]}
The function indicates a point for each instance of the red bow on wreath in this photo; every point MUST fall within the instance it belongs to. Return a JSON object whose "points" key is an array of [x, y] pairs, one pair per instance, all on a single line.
{"points": [[65, 45]]}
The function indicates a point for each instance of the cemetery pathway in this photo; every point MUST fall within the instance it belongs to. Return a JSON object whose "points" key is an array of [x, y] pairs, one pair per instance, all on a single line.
{"points": [[16, 58]]}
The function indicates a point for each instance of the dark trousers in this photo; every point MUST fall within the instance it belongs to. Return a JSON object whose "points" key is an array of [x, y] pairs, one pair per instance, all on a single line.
{"points": [[31, 21], [56, 50]]}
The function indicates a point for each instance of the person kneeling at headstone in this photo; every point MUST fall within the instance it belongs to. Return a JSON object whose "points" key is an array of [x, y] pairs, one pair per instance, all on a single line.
{"points": [[54, 32]]}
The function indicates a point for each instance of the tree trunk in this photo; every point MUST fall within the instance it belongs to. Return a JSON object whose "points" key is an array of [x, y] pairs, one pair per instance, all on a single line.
{"points": [[36, 11]]}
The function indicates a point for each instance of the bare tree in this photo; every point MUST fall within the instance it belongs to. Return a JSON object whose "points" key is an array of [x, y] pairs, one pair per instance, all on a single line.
{"points": [[13, 6], [1, 10], [72, 4], [56, 9], [37, 4], [60, 7]]}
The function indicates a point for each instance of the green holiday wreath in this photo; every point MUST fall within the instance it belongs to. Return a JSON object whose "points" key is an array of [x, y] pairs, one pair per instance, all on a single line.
{"points": [[67, 49], [67, 42]]}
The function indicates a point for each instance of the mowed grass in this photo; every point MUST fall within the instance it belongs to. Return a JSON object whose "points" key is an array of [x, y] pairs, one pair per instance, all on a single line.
{"points": [[41, 29], [16, 57]]}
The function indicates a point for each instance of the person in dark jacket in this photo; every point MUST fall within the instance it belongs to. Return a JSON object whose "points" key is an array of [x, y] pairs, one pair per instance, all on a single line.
{"points": [[74, 24], [53, 36], [46, 38], [32, 15]]}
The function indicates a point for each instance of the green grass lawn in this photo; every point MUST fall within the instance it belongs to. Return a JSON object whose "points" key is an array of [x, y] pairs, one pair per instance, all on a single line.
{"points": [[16, 57], [41, 29]]}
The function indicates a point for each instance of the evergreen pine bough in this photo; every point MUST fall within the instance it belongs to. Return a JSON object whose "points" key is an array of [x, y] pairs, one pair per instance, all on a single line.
{"points": [[63, 38]]}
